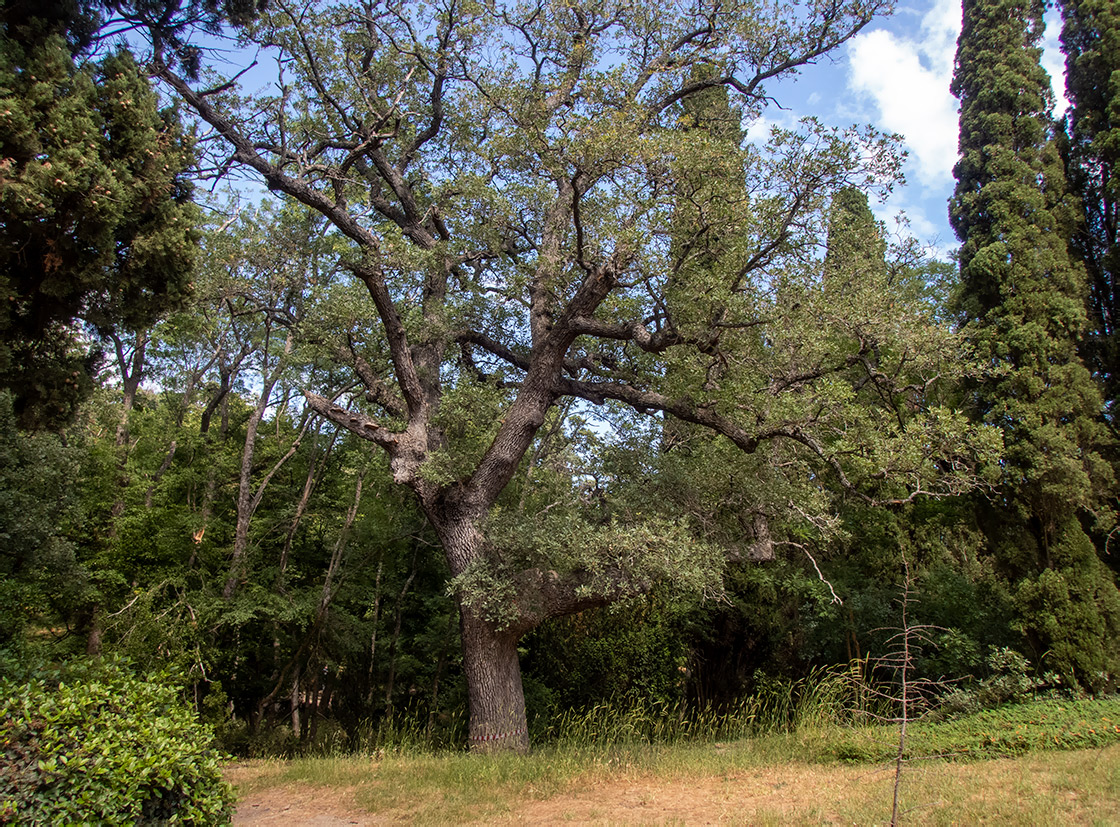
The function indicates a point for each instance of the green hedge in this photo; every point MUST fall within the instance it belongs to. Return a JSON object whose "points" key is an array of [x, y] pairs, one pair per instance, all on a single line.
{"points": [[103, 746]]}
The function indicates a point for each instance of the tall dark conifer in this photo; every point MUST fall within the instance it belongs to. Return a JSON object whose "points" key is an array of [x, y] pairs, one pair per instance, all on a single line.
{"points": [[96, 218], [1091, 41], [856, 248], [1023, 300]]}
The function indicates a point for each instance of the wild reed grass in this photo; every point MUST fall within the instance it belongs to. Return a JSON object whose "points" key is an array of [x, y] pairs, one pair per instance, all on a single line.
{"points": [[827, 696]]}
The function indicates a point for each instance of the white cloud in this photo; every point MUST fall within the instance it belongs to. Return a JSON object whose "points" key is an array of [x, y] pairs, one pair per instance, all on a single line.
{"points": [[758, 131], [908, 79], [1054, 62], [904, 218]]}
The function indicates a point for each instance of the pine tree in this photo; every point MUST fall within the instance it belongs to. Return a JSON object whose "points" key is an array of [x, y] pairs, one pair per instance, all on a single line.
{"points": [[1091, 41], [1023, 301]]}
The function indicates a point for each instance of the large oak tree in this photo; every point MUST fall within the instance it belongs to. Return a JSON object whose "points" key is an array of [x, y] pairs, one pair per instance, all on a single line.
{"points": [[507, 175]]}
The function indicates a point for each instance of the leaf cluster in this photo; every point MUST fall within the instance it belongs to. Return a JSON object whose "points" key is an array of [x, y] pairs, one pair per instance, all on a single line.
{"points": [[97, 742]]}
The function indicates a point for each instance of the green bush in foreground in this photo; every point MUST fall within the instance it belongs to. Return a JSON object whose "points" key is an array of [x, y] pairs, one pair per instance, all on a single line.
{"points": [[103, 746]]}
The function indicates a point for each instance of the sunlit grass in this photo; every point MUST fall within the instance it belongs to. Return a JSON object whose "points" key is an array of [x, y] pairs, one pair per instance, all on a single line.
{"points": [[737, 783], [801, 765]]}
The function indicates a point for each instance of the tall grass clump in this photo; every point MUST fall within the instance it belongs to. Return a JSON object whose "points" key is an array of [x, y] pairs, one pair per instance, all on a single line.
{"points": [[827, 696], [410, 731], [839, 695]]}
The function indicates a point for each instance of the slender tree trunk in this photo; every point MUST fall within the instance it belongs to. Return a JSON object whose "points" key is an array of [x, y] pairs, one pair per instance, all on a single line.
{"points": [[376, 620], [315, 467], [245, 494], [93, 642], [132, 373], [246, 501], [313, 704], [433, 712], [294, 701], [210, 491], [495, 695], [158, 475], [397, 631]]}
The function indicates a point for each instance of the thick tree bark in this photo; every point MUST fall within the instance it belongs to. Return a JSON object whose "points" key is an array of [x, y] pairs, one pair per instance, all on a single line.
{"points": [[494, 692]]}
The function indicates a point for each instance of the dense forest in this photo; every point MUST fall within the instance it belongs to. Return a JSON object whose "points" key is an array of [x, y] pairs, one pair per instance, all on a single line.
{"points": [[479, 370]]}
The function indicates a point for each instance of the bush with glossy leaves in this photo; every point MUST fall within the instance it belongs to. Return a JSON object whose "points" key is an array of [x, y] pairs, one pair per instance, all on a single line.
{"points": [[101, 745]]}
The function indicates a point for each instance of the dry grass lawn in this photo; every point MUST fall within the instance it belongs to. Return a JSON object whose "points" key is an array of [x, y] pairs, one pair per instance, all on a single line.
{"points": [[1051, 788]]}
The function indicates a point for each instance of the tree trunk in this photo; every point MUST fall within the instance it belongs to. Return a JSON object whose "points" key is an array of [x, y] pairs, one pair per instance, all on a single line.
{"points": [[132, 373], [314, 468], [93, 642], [132, 368], [397, 631], [246, 500], [495, 695], [433, 712], [294, 705]]}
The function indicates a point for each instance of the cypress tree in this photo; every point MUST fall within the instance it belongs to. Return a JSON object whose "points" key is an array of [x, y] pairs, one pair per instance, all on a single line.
{"points": [[96, 218], [855, 243], [1091, 42], [1022, 298]]}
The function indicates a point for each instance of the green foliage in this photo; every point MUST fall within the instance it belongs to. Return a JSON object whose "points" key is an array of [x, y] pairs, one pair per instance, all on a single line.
{"points": [[856, 249], [39, 570], [1023, 298], [98, 743], [1008, 730], [1021, 294], [634, 651], [1072, 612], [469, 416], [1010, 680], [1091, 42], [98, 223]]}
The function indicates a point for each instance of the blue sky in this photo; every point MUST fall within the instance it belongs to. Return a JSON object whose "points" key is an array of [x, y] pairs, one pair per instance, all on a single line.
{"points": [[895, 75]]}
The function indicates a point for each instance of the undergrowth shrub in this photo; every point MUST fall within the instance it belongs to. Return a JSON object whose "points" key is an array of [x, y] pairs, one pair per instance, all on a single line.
{"points": [[1010, 681], [100, 745], [1010, 730]]}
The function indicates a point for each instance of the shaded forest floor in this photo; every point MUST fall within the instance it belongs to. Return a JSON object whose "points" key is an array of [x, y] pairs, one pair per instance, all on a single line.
{"points": [[728, 785]]}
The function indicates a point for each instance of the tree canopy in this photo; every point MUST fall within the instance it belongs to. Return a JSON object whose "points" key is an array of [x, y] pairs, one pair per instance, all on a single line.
{"points": [[1023, 298], [1091, 42]]}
